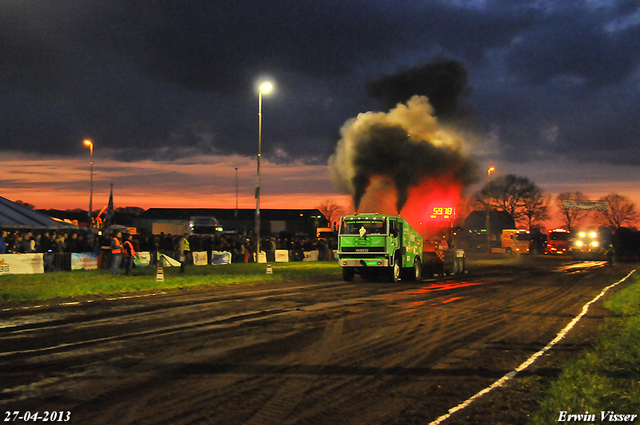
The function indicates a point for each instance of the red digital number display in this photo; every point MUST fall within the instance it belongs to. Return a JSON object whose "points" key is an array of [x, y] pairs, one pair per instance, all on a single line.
{"points": [[442, 212]]}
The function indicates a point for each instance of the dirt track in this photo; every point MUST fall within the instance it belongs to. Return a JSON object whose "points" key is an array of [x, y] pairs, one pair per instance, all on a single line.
{"points": [[308, 353]]}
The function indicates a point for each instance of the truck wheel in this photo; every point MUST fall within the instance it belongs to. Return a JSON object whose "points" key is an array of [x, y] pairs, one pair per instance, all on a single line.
{"points": [[417, 270], [394, 273], [348, 273]]}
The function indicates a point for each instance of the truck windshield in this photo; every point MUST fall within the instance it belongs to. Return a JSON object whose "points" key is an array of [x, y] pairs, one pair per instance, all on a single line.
{"points": [[372, 227], [523, 237], [559, 236]]}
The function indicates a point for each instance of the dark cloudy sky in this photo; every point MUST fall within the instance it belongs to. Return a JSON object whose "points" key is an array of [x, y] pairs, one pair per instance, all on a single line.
{"points": [[540, 82]]}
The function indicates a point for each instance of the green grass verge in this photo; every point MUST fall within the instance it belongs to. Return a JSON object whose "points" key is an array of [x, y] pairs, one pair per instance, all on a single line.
{"points": [[607, 378], [15, 289]]}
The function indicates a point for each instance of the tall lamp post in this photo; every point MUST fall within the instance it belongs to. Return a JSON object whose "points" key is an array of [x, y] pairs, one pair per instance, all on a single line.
{"points": [[236, 193], [264, 89], [489, 209], [236, 213], [89, 143]]}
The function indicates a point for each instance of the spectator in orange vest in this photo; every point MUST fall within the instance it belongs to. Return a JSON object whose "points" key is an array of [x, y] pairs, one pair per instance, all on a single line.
{"points": [[129, 253], [116, 253]]}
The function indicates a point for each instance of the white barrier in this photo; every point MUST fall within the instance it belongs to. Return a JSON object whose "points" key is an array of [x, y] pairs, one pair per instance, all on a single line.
{"points": [[262, 258], [220, 257], [200, 258], [21, 264], [142, 259], [84, 261], [168, 261], [282, 256], [311, 255]]}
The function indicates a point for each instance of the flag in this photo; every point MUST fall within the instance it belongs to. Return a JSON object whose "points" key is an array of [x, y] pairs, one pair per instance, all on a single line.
{"points": [[110, 206]]}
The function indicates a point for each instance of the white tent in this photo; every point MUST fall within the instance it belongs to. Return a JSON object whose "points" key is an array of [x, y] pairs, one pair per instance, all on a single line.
{"points": [[16, 216]]}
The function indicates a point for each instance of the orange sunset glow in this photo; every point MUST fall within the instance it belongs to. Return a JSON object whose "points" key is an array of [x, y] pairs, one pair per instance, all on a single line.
{"points": [[202, 182], [209, 182]]}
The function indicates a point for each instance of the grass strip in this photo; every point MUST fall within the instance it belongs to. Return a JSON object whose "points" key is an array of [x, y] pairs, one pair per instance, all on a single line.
{"points": [[607, 378], [20, 289], [16, 289]]}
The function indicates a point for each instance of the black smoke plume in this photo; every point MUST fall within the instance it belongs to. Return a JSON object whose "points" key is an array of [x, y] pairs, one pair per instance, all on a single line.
{"points": [[444, 82], [406, 145]]}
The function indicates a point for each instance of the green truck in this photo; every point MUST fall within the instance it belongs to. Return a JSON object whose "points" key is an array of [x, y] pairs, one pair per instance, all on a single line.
{"points": [[379, 246]]}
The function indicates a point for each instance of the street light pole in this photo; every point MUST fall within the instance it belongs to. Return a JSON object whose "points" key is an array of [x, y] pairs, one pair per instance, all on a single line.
{"points": [[264, 88], [489, 209], [89, 143], [236, 193]]}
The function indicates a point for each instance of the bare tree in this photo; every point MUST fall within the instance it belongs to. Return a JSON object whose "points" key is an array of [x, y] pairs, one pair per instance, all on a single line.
{"points": [[621, 211], [331, 210], [515, 195], [571, 217], [26, 204], [130, 210], [536, 208]]}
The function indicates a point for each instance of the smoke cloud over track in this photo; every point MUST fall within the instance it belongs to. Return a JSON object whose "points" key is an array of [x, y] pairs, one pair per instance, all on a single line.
{"points": [[405, 147]]}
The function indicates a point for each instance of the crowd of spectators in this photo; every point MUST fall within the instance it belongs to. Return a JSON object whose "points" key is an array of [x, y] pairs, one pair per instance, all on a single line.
{"points": [[58, 242], [242, 248]]}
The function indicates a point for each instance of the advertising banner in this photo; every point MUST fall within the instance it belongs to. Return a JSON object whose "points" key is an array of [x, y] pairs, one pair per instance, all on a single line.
{"points": [[84, 261], [282, 256], [21, 264], [262, 258], [311, 255], [142, 259], [571, 204], [220, 257], [200, 258]]}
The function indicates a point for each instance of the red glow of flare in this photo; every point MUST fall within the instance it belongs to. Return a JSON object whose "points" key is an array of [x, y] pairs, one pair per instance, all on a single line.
{"points": [[440, 194], [430, 194]]}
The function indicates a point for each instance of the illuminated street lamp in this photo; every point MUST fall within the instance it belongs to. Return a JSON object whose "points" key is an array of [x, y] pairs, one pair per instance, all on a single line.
{"points": [[489, 208], [265, 88], [89, 143]]}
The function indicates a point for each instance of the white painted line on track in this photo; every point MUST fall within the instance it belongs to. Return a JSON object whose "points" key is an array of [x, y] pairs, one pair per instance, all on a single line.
{"points": [[531, 359]]}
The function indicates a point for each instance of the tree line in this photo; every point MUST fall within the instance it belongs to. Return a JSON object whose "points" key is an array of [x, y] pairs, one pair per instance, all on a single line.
{"points": [[530, 207]]}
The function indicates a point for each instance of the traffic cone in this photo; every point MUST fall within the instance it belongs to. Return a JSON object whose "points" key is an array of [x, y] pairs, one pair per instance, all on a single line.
{"points": [[159, 275]]}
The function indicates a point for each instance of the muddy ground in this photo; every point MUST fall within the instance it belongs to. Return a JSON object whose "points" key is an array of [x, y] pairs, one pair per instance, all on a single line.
{"points": [[305, 352]]}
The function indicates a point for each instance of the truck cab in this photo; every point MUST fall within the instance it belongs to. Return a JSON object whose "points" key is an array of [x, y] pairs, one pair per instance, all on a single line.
{"points": [[378, 245], [558, 241], [516, 241]]}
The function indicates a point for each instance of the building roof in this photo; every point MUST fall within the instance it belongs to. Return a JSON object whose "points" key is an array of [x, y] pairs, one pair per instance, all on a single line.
{"points": [[499, 220], [227, 214], [13, 215]]}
